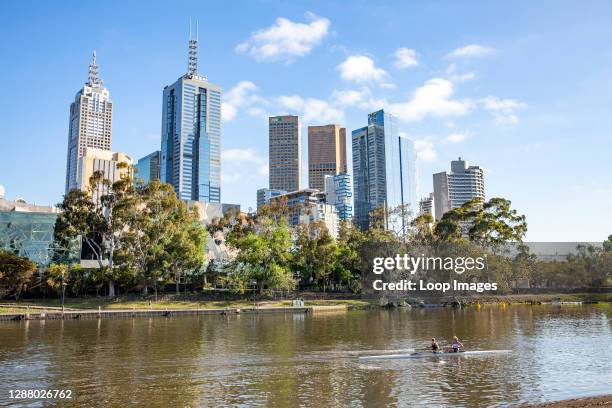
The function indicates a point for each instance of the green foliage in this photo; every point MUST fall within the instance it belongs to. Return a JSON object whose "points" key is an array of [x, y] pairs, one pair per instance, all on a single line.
{"points": [[265, 255], [15, 274]]}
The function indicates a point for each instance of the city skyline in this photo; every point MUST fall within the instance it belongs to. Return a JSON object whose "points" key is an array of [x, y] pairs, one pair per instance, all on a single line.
{"points": [[474, 102]]}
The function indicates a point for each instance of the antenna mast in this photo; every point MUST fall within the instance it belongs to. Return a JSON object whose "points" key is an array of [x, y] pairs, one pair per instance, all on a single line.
{"points": [[192, 65], [93, 76]]}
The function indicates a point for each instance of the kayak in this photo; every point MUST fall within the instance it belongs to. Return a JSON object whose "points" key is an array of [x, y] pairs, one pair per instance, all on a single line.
{"points": [[432, 354]]}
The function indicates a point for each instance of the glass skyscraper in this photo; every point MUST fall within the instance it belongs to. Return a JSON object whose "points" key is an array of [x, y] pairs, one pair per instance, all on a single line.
{"points": [[384, 168], [148, 167], [191, 135]]}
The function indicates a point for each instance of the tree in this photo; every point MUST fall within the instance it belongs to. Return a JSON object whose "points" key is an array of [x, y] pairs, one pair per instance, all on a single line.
{"points": [[348, 263], [265, 255], [315, 252], [607, 244], [489, 224], [15, 274]]}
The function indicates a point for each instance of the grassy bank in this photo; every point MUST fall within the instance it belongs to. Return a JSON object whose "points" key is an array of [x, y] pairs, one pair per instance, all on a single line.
{"points": [[172, 302], [93, 303], [588, 402]]}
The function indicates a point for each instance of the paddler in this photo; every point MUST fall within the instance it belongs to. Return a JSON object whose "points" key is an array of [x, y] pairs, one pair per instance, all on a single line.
{"points": [[456, 345], [434, 345]]}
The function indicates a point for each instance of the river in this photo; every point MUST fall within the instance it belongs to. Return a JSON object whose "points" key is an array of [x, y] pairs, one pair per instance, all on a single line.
{"points": [[288, 360]]}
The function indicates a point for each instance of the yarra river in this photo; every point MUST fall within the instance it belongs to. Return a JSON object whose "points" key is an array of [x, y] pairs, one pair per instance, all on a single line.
{"points": [[289, 360]]}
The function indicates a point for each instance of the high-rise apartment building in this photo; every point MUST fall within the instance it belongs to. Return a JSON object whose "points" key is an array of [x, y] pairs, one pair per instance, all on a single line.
{"points": [[427, 206], [455, 188], [384, 169], [309, 205], [90, 125], [338, 192], [285, 152], [326, 153], [191, 134], [148, 168]]}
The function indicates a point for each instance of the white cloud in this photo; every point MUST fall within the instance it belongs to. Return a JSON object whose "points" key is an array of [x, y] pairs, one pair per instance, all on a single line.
{"points": [[425, 150], [504, 110], [472, 50], [242, 164], [388, 85], [285, 39], [454, 138], [360, 68], [236, 98], [434, 98], [405, 58], [350, 97], [311, 109]]}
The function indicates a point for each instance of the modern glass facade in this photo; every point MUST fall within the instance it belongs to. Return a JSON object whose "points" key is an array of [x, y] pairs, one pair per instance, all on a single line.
{"points": [[28, 234], [191, 139], [148, 167], [338, 193], [384, 168]]}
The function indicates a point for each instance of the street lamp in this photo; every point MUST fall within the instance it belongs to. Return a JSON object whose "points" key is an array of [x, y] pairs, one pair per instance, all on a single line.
{"points": [[63, 292]]}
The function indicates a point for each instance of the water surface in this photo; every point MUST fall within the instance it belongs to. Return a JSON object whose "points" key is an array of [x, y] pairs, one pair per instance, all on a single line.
{"points": [[313, 360]]}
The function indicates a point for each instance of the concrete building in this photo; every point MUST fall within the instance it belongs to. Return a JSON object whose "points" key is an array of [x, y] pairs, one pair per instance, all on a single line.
{"points": [[27, 229], [427, 206], [338, 193], [384, 169], [105, 161], [191, 135], [309, 205], [326, 153], [90, 123], [265, 194], [148, 168], [460, 185], [285, 152]]}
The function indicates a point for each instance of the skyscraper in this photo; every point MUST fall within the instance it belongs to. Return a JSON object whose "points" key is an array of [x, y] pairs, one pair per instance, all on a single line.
{"points": [[455, 188], [191, 134], [90, 125], [326, 153], [285, 152], [384, 169], [148, 167]]}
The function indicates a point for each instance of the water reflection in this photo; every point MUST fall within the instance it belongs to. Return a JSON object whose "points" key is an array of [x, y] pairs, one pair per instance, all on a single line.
{"points": [[312, 360]]}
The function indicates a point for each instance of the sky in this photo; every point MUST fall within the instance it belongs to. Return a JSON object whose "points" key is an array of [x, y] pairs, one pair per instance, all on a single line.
{"points": [[522, 89]]}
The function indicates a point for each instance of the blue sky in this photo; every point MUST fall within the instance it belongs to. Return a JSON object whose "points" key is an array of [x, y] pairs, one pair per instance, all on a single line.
{"points": [[523, 89]]}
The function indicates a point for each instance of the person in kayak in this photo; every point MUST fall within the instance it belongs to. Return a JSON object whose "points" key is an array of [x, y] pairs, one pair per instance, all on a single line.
{"points": [[455, 345], [434, 345]]}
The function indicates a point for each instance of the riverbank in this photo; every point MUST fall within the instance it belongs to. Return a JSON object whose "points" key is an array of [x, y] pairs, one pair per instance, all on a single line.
{"points": [[588, 402], [200, 302]]}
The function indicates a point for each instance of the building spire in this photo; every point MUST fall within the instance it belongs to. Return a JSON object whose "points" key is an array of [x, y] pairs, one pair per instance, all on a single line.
{"points": [[192, 65], [93, 77]]}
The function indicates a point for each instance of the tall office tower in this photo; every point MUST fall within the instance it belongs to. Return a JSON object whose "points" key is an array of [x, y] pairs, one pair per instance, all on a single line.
{"points": [[148, 167], [384, 169], [91, 116], [338, 192], [455, 188], [191, 134], [285, 152], [326, 153]]}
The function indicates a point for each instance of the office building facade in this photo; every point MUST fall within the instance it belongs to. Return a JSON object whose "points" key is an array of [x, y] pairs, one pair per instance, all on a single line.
{"points": [[453, 189], [338, 193], [191, 135], [326, 153], [384, 169], [108, 163], [309, 205], [148, 168], [285, 152], [91, 117], [265, 194]]}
